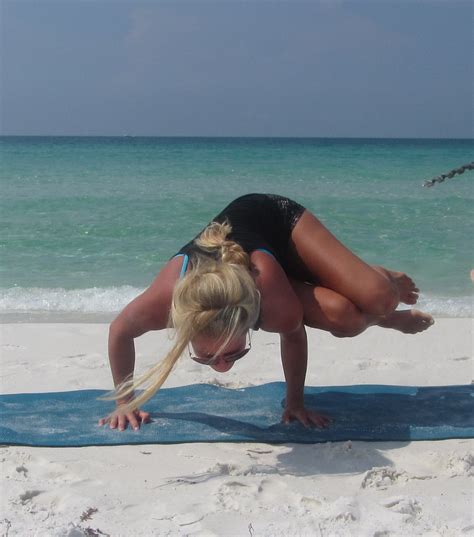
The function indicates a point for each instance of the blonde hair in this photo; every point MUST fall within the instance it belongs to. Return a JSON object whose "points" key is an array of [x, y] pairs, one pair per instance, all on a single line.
{"points": [[214, 240], [217, 298]]}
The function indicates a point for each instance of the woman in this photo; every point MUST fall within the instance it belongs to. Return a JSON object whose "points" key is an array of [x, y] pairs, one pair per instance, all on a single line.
{"points": [[264, 262]]}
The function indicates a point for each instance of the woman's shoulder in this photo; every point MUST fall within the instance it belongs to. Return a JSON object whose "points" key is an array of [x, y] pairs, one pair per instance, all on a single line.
{"points": [[166, 279], [151, 309], [281, 310]]}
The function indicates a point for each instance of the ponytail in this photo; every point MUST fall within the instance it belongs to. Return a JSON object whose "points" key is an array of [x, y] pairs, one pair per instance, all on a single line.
{"points": [[214, 239]]}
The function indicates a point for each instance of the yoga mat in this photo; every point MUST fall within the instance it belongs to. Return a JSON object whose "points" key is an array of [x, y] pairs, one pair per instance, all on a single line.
{"points": [[206, 413]]}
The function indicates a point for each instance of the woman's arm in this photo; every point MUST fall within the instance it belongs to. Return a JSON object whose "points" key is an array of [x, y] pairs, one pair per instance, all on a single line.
{"points": [[294, 356], [122, 364], [282, 312], [149, 311], [132, 322]]}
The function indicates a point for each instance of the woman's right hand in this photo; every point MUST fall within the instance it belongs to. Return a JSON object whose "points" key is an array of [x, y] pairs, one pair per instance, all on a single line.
{"points": [[120, 421]]}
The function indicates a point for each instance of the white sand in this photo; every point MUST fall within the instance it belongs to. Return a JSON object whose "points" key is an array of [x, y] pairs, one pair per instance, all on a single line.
{"points": [[353, 488]]}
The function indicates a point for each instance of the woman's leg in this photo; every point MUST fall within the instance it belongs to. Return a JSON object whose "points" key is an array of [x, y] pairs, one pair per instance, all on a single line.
{"points": [[373, 290], [327, 310]]}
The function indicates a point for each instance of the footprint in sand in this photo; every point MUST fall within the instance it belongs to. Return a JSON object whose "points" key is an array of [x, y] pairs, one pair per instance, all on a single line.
{"points": [[237, 496], [405, 506], [460, 465], [344, 509], [255, 495], [29, 495], [22, 470], [382, 478]]}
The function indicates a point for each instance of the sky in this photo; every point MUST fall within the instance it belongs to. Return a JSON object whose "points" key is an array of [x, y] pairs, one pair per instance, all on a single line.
{"points": [[319, 68]]}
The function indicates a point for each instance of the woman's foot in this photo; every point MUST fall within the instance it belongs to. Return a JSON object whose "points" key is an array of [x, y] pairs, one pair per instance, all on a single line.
{"points": [[408, 321], [406, 287], [407, 290]]}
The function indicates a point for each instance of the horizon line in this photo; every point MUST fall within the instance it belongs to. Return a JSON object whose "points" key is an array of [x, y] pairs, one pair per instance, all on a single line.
{"points": [[131, 136]]}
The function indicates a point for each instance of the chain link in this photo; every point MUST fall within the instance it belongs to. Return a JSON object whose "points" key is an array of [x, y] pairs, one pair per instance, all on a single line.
{"points": [[452, 173]]}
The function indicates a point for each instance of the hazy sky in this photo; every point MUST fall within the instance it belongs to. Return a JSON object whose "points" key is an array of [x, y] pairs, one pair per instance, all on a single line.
{"points": [[381, 68]]}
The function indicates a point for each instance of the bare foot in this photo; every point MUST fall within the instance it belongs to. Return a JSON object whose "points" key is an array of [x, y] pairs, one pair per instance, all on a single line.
{"points": [[408, 321], [407, 289]]}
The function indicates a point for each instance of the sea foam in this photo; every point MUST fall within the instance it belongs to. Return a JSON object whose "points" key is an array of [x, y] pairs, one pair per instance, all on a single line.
{"points": [[92, 300], [111, 300]]}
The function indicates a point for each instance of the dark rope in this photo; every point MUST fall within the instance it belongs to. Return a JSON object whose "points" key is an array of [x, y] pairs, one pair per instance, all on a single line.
{"points": [[452, 173]]}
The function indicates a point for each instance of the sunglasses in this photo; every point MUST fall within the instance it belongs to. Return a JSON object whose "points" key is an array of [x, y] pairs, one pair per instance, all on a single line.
{"points": [[228, 359]]}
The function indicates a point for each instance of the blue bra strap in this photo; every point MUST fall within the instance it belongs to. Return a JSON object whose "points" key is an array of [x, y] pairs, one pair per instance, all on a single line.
{"points": [[184, 265], [266, 251]]}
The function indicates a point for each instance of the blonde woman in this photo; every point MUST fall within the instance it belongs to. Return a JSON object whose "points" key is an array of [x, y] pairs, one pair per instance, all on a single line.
{"points": [[264, 262]]}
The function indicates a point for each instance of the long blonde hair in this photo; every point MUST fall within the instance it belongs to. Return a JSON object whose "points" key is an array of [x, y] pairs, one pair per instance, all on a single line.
{"points": [[217, 298]]}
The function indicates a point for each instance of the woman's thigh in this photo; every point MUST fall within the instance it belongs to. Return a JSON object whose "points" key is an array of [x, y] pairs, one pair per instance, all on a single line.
{"points": [[327, 310], [331, 264]]}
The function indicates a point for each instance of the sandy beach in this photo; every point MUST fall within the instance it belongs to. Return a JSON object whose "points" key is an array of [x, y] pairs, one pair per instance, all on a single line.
{"points": [[350, 488]]}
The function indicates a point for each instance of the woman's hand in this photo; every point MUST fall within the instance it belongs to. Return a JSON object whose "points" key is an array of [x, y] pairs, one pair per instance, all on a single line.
{"points": [[306, 416], [135, 418]]}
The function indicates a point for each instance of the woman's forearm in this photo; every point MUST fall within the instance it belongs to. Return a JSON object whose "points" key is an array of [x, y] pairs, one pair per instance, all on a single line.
{"points": [[121, 354], [294, 356]]}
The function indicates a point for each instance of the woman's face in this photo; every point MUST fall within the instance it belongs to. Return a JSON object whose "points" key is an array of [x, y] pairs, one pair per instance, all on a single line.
{"points": [[205, 347]]}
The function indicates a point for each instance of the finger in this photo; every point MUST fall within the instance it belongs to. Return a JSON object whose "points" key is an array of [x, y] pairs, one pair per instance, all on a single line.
{"points": [[113, 422], [317, 421], [321, 423], [103, 421], [303, 418], [286, 418], [145, 417], [320, 420], [122, 423], [327, 421], [133, 421]]}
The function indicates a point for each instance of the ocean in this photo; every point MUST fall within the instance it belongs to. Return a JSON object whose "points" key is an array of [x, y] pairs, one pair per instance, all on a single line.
{"points": [[87, 222]]}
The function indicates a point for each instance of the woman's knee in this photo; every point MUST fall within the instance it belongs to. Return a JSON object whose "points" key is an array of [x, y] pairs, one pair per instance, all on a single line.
{"points": [[345, 319], [327, 310]]}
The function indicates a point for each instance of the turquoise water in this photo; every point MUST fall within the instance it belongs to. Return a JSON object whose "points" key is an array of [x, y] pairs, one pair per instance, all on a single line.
{"points": [[88, 222]]}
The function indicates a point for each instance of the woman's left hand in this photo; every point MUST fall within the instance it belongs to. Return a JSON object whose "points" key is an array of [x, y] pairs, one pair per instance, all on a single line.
{"points": [[306, 416]]}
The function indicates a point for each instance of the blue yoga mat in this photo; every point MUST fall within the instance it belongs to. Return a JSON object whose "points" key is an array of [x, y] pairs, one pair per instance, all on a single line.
{"points": [[206, 413]]}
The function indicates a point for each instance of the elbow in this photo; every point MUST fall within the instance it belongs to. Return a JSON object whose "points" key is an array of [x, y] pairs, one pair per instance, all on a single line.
{"points": [[119, 329], [115, 327], [292, 322]]}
